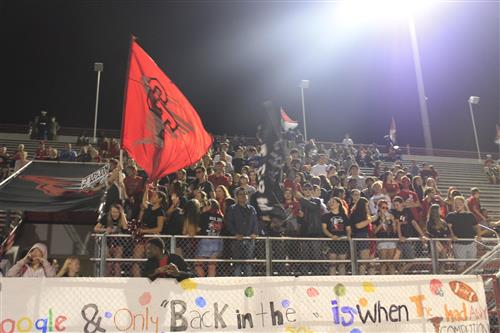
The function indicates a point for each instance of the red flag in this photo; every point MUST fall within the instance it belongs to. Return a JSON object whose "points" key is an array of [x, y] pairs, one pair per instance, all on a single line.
{"points": [[161, 129], [287, 123]]}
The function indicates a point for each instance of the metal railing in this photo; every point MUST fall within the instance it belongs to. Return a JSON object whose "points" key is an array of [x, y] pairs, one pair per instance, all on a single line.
{"points": [[123, 255]]}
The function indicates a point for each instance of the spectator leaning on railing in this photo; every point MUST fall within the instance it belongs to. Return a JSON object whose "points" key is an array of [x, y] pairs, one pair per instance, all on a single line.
{"points": [[241, 221], [463, 225]]}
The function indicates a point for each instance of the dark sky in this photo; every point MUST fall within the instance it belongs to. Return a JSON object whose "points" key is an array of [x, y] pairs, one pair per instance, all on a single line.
{"points": [[230, 56]]}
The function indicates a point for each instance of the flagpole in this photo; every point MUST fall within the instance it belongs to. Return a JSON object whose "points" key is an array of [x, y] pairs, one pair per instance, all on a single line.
{"points": [[132, 39], [303, 85]]}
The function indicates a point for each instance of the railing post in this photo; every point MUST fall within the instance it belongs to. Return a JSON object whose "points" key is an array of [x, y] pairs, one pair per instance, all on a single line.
{"points": [[354, 261], [268, 257], [104, 253], [172, 244], [434, 257]]}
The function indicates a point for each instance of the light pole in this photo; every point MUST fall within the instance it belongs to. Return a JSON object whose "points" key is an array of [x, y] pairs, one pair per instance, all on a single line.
{"points": [[304, 84], [474, 100], [98, 67], [424, 112]]}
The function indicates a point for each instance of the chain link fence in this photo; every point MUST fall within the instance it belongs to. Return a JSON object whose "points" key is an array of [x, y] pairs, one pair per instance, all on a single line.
{"points": [[123, 255]]}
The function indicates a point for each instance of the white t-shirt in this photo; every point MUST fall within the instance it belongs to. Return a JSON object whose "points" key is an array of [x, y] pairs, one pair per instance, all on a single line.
{"points": [[372, 203], [360, 182], [319, 169], [347, 142]]}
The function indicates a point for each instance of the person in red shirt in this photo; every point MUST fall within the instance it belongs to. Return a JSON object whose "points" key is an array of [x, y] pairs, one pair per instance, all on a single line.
{"points": [[391, 186], [410, 199], [41, 152], [474, 206], [432, 198], [219, 178]]}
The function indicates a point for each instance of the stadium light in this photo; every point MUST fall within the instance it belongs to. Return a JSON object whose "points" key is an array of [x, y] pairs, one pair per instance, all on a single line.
{"points": [[364, 11], [474, 100]]}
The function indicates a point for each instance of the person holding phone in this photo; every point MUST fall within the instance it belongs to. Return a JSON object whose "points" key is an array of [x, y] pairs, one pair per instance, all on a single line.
{"points": [[35, 264]]}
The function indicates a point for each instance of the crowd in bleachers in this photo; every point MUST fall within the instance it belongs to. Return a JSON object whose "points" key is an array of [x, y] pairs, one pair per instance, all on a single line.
{"points": [[325, 194]]}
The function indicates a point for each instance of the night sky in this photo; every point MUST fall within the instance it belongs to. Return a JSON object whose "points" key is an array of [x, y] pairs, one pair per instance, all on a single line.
{"points": [[228, 57]]}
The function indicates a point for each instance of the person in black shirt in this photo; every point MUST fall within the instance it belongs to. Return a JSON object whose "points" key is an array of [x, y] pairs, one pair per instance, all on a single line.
{"points": [[202, 183], [407, 227], [151, 221], [162, 264], [437, 228], [312, 208], [360, 225], [463, 225], [211, 223], [336, 226]]}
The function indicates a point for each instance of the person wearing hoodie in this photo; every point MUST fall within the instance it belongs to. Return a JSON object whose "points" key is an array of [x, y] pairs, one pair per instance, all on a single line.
{"points": [[35, 264]]}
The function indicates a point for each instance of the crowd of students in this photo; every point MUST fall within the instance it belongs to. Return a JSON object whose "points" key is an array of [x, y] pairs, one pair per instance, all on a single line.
{"points": [[324, 194]]}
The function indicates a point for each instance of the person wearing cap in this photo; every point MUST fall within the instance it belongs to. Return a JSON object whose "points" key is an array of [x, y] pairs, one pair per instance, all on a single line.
{"points": [[35, 264], [162, 264], [223, 154]]}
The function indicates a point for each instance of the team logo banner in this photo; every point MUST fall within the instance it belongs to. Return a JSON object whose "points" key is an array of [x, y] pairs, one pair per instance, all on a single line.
{"points": [[295, 305], [52, 187]]}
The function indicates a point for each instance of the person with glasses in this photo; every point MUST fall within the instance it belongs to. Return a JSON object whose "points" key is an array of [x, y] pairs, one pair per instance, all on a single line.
{"points": [[385, 227], [241, 221], [202, 183]]}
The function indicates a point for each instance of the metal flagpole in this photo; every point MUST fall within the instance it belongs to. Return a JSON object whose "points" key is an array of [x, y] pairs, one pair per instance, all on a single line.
{"points": [[98, 67], [303, 85], [474, 100]]}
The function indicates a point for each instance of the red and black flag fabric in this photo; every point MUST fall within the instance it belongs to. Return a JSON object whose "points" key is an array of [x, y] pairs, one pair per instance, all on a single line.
{"points": [[51, 187], [273, 152], [161, 130]]}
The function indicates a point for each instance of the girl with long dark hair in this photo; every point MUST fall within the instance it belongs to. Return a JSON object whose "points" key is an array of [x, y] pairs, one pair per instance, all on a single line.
{"points": [[360, 224]]}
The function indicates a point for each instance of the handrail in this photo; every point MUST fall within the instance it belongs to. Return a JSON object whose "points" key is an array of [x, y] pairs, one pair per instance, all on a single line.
{"points": [[13, 231], [483, 259], [412, 239]]}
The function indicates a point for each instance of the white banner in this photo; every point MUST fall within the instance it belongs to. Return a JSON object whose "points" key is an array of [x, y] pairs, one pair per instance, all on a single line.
{"points": [[437, 304]]}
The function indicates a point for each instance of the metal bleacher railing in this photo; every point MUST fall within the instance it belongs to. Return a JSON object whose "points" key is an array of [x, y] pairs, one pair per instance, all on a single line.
{"points": [[272, 256]]}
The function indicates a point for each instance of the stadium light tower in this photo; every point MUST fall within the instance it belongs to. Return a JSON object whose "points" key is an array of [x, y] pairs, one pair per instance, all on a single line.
{"points": [[304, 84], [380, 12], [474, 100], [98, 67]]}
